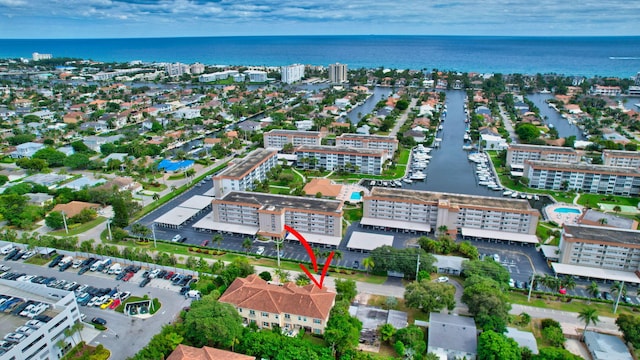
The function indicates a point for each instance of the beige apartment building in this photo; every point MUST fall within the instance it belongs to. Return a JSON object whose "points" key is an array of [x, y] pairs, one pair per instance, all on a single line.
{"points": [[250, 213], [359, 161], [597, 179], [426, 211], [288, 306], [376, 142], [243, 174], [278, 138], [621, 158], [600, 247], [517, 154]]}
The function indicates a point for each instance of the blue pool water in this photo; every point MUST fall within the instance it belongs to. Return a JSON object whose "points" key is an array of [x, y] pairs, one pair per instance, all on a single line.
{"points": [[567, 211], [356, 196]]}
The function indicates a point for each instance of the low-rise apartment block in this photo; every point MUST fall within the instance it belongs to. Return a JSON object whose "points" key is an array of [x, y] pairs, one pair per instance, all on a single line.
{"points": [[597, 179], [426, 211], [517, 154], [250, 213], [242, 175], [600, 247], [288, 307], [360, 161], [621, 158], [377, 142], [278, 138], [605, 90]]}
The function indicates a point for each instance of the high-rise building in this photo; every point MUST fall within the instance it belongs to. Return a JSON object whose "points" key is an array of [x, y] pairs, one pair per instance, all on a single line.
{"points": [[177, 69], [196, 69], [337, 73], [292, 73]]}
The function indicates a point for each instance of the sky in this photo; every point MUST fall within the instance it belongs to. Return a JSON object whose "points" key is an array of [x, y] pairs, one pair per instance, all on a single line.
{"points": [[43, 19]]}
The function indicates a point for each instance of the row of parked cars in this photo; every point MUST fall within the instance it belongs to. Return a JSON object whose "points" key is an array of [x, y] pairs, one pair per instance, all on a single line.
{"points": [[16, 254], [20, 333]]}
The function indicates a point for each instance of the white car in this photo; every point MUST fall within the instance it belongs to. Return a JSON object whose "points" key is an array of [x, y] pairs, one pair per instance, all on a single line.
{"points": [[76, 264], [28, 255], [260, 250], [176, 238], [153, 274], [496, 257], [443, 279]]}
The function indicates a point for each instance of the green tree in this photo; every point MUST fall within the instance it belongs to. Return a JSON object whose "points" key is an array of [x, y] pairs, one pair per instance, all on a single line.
{"points": [[430, 296], [554, 336], [247, 244], [551, 353], [368, 264], [77, 161], [265, 275], [413, 339], [588, 316], [342, 332], [53, 157], [527, 132], [387, 331], [487, 303], [593, 289], [120, 212], [212, 323], [487, 268], [496, 346], [346, 289], [629, 325], [467, 250], [54, 220]]}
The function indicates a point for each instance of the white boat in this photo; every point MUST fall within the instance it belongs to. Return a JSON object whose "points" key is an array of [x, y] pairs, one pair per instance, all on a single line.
{"points": [[514, 195], [398, 183], [507, 193], [466, 136], [372, 183], [384, 183], [529, 197], [418, 175], [407, 180], [523, 196], [536, 197]]}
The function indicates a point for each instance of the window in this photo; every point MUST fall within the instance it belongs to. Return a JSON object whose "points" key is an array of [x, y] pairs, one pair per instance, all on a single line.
{"points": [[265, 314], [316, 331], [317, 321], [265, 324], [287, 316], [252, 312]]}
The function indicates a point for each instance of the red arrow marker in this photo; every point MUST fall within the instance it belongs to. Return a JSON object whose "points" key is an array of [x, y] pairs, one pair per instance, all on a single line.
{"points": [[314, 261]]}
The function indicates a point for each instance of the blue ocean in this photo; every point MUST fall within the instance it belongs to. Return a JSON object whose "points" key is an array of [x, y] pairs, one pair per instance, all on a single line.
{"points": [[579, 56]]}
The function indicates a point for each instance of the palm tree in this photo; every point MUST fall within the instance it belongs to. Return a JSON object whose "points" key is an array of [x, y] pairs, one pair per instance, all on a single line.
{"points": [[368, 264], [442, 229], [155, 197], [593, 289], [551, 282], [568, 283], [283, 275], [603, 221], [246, 244], [217, 239], [589, 316], [618, 287]]}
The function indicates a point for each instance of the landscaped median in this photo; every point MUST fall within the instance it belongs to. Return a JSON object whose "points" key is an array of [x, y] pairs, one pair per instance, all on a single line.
{"points": [[571, 303]]}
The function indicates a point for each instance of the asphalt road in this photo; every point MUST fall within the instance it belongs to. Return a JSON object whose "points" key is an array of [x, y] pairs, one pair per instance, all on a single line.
{"points": [[133, 333]]}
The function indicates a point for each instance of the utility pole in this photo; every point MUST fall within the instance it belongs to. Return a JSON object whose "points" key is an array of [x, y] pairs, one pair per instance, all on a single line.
{"points": [[615, 307], [278, 242], [109, 228], [533, 278], [153, 231], [418, 265], [64, 220]]}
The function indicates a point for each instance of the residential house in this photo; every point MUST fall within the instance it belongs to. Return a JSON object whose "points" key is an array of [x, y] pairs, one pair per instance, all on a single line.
{"points": [[452, 336], [287, 306], [606, 347], [26, 150], [94, 142], [185, 352], [39, 199], [75, 207]]}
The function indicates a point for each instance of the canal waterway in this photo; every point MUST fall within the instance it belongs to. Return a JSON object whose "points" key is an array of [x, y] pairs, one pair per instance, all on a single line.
{"points": [[367, 107], [552, 117]]}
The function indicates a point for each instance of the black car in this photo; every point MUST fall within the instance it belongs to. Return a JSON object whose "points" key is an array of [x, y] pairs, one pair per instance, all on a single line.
{"points": [[65, 266], [121, 275], [56, 260], [11, 253], [356, 264], [18, 255], [43, 318], [607, 296], [184, 290], [100, 321], [144, 282], [83, 270]]}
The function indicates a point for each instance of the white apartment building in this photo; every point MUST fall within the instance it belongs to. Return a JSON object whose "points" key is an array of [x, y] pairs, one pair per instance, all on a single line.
{"points": [[242, 175], [621, 158], [278, 138], [292, 73], [605, 90], [598, 179], [337, 73], [517, 154], [37, 56], [256, 75], [196, 69], [426, 211], [359, 161], [45, 341], [377, 142], [252, 213], [176, 69], [287, 307], [600, 247], [221, 75]]}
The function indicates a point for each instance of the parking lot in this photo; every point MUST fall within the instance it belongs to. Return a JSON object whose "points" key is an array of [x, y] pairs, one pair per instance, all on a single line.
{"points": [[133, 333]]}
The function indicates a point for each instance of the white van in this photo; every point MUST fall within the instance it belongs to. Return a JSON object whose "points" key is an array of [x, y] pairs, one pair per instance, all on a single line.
{"points": [[6, 249], [194, 294], [115, 269], [65, 260]]}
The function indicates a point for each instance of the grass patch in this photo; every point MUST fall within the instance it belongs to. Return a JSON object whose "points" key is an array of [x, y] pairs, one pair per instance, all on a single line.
{"points": [[84, 351], [176, 176], [120, 307], [37, 260], [592, 200], [76, 229], [155, 187], [314, 339], [352, 215], [548, 301]]}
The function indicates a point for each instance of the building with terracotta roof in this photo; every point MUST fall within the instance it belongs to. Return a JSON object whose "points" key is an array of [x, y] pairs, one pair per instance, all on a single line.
{"points": [[184, 352], [287, 306], [621, 158], [326, 187], [75, 207]]}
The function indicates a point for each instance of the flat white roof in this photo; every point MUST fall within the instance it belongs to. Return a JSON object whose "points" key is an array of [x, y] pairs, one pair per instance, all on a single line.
{"points": [[208, 224], [176, 216], [596, 273], [317, 238], [365, 241], [211, 193], [550, 251], [396, 224], [499, 235], [517, 173], [196, 202]]}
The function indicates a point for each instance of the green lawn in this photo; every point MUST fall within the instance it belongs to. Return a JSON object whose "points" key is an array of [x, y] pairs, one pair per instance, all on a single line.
{"points": [[76, 229], [592, 200], [575, 305], [158, 188], [353, 214]]}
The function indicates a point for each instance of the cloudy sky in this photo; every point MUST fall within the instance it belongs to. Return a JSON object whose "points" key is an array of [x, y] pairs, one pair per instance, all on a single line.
{"points": [[170, 18]]}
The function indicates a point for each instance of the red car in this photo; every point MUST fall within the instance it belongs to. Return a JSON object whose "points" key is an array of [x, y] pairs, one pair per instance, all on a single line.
{"points": [[114, 304], [128, 276], [169, 275], [204, 243]]}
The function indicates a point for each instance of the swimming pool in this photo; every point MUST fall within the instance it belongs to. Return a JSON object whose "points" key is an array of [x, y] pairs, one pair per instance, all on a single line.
{"points": [[356, 195], [563, 210]]}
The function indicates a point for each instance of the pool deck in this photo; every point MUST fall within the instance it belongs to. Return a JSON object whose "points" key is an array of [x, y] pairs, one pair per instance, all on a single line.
{"points": [[562, 218], [347, 190]]}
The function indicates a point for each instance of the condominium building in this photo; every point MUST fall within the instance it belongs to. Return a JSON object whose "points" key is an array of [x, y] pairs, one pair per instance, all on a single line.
{"points": [[38, 339], [287, 307], [621, 158], [600, 179], [278, 138], [426, 211], [177, 69], [196, 68], [517, 154], [292, 73], [256, 75], [220, 75], [360, 161], [605, 90], [377, 142], [337, 73], [242, 175], [37, 56], [600, 247], [252, 213]]}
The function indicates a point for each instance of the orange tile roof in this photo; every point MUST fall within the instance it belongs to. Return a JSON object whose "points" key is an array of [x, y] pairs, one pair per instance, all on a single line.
{"points": [[74, 208], [256, 294], [184, 352], [324, 186]]}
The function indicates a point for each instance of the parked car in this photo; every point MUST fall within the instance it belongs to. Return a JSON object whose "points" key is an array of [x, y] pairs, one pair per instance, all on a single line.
{"points": [[56, 260], [176, 238], [144, 282], [100, 321], [356, 264], [260, 250], [443, 279], [127, 276], [204, 242]]}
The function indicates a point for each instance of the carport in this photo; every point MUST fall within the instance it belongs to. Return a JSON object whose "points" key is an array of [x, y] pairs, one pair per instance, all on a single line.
{"points": [[596, 273], [398, 225], [176, 217], [199, 202], [503, 236], [550, 252], [317, 239], [365, 242]]}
